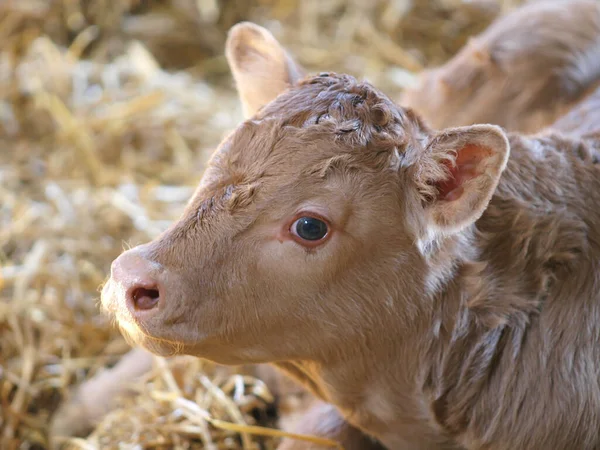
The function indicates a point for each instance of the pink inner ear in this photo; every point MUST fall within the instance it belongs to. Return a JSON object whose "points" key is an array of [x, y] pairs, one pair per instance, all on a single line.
{"points": [[468, 160]]}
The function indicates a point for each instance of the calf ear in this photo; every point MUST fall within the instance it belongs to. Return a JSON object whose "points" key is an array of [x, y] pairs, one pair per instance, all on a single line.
{"points": [[261, 67], [459, 173]]}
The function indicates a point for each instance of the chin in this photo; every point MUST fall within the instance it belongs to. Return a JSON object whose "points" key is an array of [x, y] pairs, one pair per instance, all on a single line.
{"points": [[137, 338]]}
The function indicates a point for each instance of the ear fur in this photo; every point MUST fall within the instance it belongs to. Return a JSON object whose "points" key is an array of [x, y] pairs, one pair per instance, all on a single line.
{"points": [[261, 67], [459, 173]]}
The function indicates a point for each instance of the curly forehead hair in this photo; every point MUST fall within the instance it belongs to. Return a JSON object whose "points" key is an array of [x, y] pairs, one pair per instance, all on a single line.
{"points": [[359, 114], [334, 122]]}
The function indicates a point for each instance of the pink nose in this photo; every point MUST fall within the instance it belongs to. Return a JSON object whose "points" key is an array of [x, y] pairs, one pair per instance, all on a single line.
{"points": [[138, 279]]}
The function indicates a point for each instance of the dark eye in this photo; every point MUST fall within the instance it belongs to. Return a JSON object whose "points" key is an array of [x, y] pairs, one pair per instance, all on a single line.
{"points": [[309, 228]]}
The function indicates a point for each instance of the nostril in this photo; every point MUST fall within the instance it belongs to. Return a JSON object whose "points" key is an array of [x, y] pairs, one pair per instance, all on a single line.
{"points": [[144, 299]]}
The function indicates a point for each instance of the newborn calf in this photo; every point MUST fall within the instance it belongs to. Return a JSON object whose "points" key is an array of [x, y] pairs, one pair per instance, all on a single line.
{"points": [[438, 292], [522, 73]]}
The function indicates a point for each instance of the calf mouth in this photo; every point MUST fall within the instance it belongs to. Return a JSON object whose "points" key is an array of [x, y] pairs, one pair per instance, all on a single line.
{"points": [[135, 336], [136, 312], [130, 325]]}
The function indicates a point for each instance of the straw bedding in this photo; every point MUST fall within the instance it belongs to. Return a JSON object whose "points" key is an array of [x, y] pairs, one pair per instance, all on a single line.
{"points": [[108, 112]]}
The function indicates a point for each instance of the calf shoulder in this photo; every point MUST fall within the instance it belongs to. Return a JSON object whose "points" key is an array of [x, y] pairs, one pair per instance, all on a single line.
{"points": [[521, 354]]}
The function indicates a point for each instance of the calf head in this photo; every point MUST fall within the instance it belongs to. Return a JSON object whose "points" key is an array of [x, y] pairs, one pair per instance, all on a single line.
{"points": [[317, 220]]}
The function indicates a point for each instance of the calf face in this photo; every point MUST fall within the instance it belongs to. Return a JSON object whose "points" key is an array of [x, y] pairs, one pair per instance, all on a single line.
{"points": [[312, 224]]}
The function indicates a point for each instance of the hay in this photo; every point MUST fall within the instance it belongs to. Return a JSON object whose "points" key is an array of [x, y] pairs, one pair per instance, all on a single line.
{"points": [[108, 111]]}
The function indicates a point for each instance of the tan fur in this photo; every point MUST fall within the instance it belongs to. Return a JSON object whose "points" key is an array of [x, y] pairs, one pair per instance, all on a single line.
{"points": [[476, 336], [252, 49]]}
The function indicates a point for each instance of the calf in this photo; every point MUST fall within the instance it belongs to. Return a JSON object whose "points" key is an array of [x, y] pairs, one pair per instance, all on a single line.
{"points": [[421, 281], [522, 73], [427, 286]]}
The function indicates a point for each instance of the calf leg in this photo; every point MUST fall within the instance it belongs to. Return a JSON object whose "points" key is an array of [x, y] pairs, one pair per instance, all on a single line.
{"points": [[323, 420], [299, 411], [95, 397]]}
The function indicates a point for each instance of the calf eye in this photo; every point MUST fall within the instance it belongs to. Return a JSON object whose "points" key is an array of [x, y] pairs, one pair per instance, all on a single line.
{"points": [[309, 228]]}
